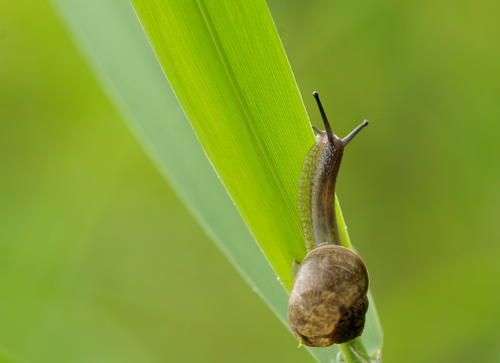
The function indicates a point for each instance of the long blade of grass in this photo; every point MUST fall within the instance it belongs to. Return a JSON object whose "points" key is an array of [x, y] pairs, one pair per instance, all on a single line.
{"points": [[228, 68], [111, 38]]}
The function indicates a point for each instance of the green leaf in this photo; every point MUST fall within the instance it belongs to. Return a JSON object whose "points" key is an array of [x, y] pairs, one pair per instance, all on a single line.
{"points": [[255, 125], [226, 64]]}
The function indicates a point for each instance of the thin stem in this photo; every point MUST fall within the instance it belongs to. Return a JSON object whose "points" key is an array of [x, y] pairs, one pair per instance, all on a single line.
{"points": [[347, 353], [354, 351], [359, 349]]}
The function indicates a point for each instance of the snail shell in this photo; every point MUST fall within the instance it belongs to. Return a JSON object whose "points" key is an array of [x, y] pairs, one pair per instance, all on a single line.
{"points": [[328, 301]]}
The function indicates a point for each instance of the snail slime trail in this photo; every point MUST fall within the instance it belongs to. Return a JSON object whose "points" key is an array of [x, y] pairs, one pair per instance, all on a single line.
{"points": [[328, 302]]}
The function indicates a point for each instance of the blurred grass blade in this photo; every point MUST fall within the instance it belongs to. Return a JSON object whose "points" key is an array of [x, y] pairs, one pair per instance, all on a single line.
{"points": [[111, 37]]}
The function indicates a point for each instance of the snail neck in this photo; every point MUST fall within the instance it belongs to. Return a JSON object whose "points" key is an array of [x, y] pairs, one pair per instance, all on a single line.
{"points": [[319, 180], [322, 204]]}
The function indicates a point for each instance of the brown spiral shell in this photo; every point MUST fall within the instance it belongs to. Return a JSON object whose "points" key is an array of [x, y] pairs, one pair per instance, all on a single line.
{"points": [[328, 301]]}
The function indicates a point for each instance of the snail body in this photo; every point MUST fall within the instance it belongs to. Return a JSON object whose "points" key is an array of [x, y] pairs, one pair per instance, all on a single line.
{"points": [[328, 303]]}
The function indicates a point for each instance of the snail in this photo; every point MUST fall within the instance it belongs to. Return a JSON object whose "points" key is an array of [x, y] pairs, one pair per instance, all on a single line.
{"points": [[328, 302]]}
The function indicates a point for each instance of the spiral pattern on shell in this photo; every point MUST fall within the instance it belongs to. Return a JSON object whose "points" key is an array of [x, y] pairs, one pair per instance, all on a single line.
{"points": [[328, 302]]}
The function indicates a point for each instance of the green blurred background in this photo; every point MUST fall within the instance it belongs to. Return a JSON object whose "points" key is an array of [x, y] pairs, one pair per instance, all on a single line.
{"points": [[100, 262]]}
